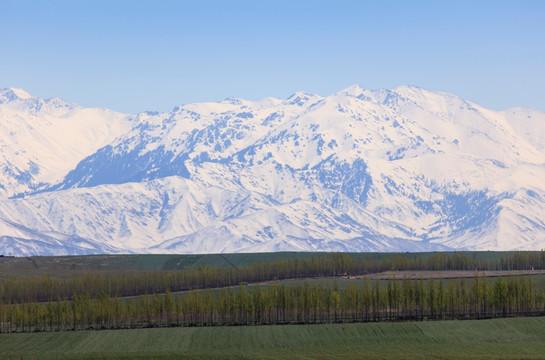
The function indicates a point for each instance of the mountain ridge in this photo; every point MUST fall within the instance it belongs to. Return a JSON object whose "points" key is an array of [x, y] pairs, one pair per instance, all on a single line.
{"points": [[375, 170]]}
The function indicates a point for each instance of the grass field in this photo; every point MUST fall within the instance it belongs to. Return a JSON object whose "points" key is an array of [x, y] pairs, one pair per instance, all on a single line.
{"points": [[516, 338], [67, 266]]}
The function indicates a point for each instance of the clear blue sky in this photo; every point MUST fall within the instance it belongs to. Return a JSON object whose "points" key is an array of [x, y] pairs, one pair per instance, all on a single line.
{"points": [[132, 56]]}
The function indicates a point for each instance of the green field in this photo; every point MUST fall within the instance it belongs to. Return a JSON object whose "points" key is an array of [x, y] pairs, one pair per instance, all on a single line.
{"points": [[515, 338], [68, 266], [507, 338]]}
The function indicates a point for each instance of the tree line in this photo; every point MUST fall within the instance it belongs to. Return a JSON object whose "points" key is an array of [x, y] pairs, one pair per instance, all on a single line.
{"points": [[46, 288], [278, 303]]}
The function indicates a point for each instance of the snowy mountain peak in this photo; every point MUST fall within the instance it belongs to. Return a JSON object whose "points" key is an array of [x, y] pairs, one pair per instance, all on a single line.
{"points": [[41, 140], [378, 170], [301, 98], [353, 90], [12, 94]]}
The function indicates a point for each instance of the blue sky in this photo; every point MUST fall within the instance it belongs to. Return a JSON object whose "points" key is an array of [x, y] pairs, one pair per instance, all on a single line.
{"points": [[133, 56]]}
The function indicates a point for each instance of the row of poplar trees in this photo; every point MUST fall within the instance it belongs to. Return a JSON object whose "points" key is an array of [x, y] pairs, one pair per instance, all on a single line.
{"points": [[42, 289], [278, 303]]}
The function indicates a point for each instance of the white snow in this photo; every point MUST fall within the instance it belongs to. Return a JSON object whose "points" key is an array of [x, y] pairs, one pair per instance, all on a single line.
{"points": [[47, 138], [385, 170]]}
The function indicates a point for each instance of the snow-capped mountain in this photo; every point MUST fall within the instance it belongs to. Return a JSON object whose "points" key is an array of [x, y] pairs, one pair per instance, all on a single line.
{"points": [[387, 170], [41, 140]]}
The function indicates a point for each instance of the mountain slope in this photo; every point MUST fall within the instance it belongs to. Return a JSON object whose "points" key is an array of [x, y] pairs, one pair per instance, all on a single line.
{"points": [[389, 170], [41, 140]]}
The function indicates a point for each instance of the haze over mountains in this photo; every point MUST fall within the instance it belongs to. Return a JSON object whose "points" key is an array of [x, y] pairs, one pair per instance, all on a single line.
{"points": [[389, 170]]}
